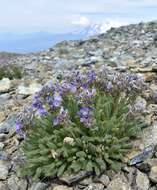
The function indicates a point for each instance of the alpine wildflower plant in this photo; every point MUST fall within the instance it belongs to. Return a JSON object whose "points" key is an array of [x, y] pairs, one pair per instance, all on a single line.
{"points": [[81, 123]]}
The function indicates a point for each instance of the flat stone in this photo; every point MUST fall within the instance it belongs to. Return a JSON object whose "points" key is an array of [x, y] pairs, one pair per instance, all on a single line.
{"points": [[153, 87], [4, 170], [142, 181], [12, 183], [153, 188], [22, 184], [152, 108], [148, 77], [1, 146], [140, 104], [86, 181], [152, 162], [5, 85], [62, 187], [9, 125], [149, 136], [119, 183], [4, 98], [38, 186], [29, 90], [154, 97], [143, 148], [71, 179], [3, 186], [3, 137], [136, 156], [154, 68], [95, 186], [2, 116], [144, 70], [153, 174], [104, 179], [110, 174], [130, 173]]}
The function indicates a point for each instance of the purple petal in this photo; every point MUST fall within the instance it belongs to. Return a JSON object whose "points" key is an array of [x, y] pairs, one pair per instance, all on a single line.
{"points": [[42, 111], [18, 127]]}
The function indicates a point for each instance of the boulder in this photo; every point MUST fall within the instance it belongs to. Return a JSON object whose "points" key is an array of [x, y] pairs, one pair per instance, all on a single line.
{"points": [[5, 85], [4, 170], [119, 183], [32, 88], [142, 181]]}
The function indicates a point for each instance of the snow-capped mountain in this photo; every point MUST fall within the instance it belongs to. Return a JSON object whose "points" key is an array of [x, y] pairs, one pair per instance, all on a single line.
{"points": [[98, 28]]}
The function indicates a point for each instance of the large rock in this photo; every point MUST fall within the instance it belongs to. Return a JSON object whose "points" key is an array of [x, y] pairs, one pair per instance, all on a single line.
{"points": [[104, 179], [1, 146], [2, 116], [3, 137], [38, 186], [149, 136], [9, 125], [140, 104], [22, 184], [12, 183], [93, 186], [4, 97], [153, 174], [62, 187], [4, 170], [30, 89], [119, 183], [142, 181], [3, 186], [72, 179], [144, 147], [5, 85]]}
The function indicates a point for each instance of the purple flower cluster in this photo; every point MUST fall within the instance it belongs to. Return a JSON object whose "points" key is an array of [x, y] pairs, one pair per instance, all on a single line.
{"points": [[85, 114], [57, 99], [50, 98], [83, 87]]}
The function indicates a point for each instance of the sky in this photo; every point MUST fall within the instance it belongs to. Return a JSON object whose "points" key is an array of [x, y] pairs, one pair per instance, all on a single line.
{"points": [[62, 16]]}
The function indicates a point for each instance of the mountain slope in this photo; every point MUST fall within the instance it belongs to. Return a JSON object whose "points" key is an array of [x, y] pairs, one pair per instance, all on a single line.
{"points": [[126, 49]]}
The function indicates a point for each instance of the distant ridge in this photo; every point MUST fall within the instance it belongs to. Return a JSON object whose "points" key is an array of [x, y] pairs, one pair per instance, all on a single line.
{"points": [[33, 42]]}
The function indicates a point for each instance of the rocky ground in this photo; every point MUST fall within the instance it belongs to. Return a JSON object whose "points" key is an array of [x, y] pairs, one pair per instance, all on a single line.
{"points": [[5, 57], [132, 48]]}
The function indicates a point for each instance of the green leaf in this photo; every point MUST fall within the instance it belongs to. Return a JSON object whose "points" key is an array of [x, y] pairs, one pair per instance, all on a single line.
{"points": [[101, 163], [96, 169], [116, 166], [48, 169], [61, 170], [51, 145], [76, 166], [89, 166], [81, 154], [38, 173]]}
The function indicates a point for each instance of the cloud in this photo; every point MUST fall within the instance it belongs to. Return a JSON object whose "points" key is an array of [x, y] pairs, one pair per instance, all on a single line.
{"points": [[80, 21], [62, 15]]}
